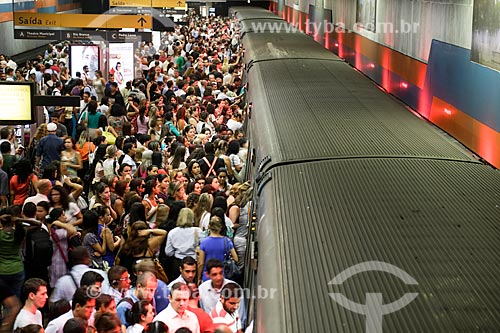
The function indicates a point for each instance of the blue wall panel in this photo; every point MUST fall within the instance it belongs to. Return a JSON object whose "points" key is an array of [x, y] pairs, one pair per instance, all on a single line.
{"points": [[470, 87], [7, 7], [50, 10]]}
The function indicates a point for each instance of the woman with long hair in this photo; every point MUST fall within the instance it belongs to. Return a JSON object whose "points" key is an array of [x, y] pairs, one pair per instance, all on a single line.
{"points": [[221, 152], [102, 197], [117, 118], [203, 208], [64, 75], [142, 121], [96, 170], [224, 185], [71, 161], [121, 188], [60, 232], [142, 170], [182, 241], [152, 189], [50, 173], [181, 119], [110, 164], [237, 165], [59, 198], [214, 246], [239, 212], [142, 242], [193, 170], [99, 84], [91, 239], [85, 147], [141, 314], [164, 181], [20, 182], [41, 131], [176, 162], [98, 238], [90, 118]]}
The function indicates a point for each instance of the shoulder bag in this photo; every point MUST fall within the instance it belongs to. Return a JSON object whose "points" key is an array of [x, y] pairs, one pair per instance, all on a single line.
{"points": [[230, 267]]}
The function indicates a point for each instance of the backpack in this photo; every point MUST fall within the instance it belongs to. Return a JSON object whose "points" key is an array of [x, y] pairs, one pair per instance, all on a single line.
{"points": [[38, 249]]}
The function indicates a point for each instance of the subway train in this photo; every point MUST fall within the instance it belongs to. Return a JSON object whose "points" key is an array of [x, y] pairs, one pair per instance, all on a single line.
{"points": [[366, 217]]}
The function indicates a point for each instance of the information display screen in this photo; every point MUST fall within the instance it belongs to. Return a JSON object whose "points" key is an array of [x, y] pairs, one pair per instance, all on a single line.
{"points": [[17, 103]]}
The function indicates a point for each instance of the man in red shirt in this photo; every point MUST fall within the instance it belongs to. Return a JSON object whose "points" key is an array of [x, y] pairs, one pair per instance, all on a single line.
{"points": [[206, 324]]}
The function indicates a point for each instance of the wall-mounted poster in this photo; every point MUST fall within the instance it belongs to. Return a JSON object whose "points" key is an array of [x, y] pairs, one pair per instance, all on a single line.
{"points": [[366, 13], [486, 33], [121, 62], [84, 55]]}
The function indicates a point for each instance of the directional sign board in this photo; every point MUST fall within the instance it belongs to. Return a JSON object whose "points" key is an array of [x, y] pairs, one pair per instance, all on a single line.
{"points": [[130, 3], [102, 21], [148, 3], [112, 36], [168, 3], [37, 34]]}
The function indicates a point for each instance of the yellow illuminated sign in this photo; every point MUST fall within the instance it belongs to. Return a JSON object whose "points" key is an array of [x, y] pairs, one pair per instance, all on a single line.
{"points": [[168, 3], [148, 3], [103, 21], [130, 3], [16, 103]]}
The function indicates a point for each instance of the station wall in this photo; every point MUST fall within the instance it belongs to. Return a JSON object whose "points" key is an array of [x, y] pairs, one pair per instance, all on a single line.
{"points": [[428, 68]]}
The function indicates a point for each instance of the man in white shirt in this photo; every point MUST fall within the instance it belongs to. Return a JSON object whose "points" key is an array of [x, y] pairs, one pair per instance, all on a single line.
{"points": [[225, 311], [43, 187], [67, 284], [188, 271], [35, 292], [129, 151], [82, 307], [210, 290], [176, 314]]}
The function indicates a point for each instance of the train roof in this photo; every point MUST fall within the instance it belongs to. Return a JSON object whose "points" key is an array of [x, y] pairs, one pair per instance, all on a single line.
{"points": [[317, 109], [436, 220], [249, 13], [265, 46], [275, 25]]}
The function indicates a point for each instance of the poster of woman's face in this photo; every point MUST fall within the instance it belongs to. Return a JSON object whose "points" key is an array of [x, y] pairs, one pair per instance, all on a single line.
{"points": [[84, 55], [121, 62]]}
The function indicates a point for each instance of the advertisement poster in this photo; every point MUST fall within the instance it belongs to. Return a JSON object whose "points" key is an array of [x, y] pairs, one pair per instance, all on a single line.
{"points": [[84, 55], [366, 11], [486, 33], [121, 62]]}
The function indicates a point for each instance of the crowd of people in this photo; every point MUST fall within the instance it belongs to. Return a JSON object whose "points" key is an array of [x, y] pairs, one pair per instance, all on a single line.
{"points": [[130, 213]]}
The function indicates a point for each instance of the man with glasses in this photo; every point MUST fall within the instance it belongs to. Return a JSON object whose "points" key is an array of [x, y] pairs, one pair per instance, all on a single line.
{"points": [[144, 291], [119, 283]]}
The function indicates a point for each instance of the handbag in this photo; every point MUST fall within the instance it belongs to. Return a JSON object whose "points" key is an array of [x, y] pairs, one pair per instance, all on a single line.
{"points": [[230, 267], [196, 244], [110, 137], [160, 272], [31, 187]]}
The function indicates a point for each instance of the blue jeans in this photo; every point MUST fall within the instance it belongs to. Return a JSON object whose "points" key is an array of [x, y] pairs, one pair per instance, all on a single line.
{"points": [[15, 281]]}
